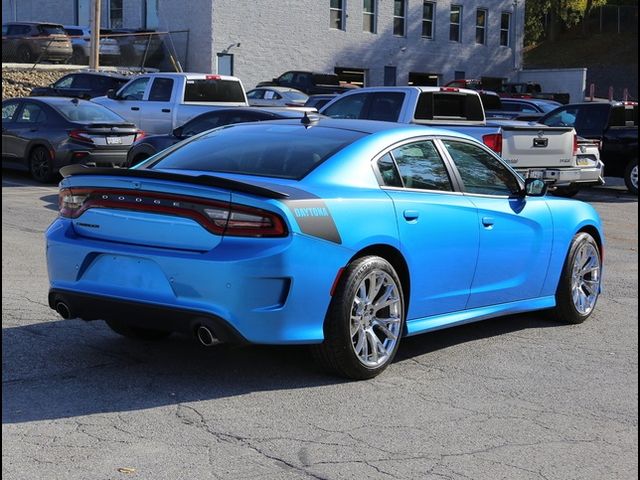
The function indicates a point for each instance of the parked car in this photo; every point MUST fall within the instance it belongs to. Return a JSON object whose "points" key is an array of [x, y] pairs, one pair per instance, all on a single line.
{"points": [[525, 109], [160, 102], [614, 125], [311, 83], [43, 134], [152, 144], [533, 150], [28, 42], [347, 235], [531, 90], [138, 47], [82, 85], [81, 44], [320, 100], [276, 97]]}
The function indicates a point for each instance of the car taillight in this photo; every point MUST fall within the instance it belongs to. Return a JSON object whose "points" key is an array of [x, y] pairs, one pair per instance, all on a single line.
{"points": [[140, 134], [217, 217], [212, 77], [80, 135], [494, 142], [449, 89], [575, 144]]}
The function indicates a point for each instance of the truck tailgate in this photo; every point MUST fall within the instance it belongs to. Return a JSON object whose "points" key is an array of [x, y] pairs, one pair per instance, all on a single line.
{"points": [[538, 146]]}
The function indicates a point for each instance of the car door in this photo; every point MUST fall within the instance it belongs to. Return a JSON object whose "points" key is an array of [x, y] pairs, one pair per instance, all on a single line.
{"points": [[438, 228], [156, 115], [130, 100], [30, 123], [10, 109], [516, 232]]}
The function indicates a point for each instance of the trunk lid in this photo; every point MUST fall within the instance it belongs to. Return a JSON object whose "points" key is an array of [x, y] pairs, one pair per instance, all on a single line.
{"points": [[534, 146]]}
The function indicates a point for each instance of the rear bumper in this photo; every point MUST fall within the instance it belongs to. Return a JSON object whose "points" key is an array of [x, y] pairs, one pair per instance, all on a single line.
{"points": [[79, 156], [584, 176]]}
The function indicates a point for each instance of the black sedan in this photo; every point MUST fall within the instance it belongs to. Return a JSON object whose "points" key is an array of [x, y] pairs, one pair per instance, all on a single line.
{"points": [[43, 134], [82, 85], [152, 144]]}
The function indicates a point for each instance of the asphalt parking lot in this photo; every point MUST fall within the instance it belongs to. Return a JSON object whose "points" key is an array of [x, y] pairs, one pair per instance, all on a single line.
{"points": [[519, 397]]}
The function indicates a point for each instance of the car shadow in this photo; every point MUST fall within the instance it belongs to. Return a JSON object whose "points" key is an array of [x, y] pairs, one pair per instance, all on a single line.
{"points": [[50, 202], [72, 368]]}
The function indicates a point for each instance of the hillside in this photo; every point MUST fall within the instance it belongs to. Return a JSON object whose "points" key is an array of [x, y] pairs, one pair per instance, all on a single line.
{"points": [[611, 59]]}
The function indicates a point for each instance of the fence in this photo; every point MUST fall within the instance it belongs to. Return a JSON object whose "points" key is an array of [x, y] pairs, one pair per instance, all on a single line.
{"points": [[613, 19], [136, 50]]}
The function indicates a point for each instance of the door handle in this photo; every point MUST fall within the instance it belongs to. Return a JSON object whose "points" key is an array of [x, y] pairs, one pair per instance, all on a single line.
{"points": [[166, 110], [411, 215], [135, 109], [488, 222]]}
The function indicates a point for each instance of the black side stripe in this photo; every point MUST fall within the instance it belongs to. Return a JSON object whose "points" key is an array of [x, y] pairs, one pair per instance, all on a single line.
{"points": [[314, 219]]}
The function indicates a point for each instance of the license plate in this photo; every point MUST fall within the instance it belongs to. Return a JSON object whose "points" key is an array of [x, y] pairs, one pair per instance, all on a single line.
{"points": [[583, 161], [536, 174], [114, 140]]}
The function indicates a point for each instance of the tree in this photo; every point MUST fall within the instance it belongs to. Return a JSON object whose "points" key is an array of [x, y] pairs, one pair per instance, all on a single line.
{"points": [[560, 13]]}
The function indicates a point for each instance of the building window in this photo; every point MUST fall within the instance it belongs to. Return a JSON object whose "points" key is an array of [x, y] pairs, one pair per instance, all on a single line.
{"points": [[83, 12], [225, 64], [505, 29], [369, 16], [115, 14], [399, 17], [455, 23], [428, 14], [337, 14], [150, 14], [481, 26]]}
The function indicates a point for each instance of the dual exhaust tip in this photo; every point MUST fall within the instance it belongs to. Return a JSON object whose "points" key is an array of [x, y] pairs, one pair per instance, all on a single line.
{"points": [[203, 333]]}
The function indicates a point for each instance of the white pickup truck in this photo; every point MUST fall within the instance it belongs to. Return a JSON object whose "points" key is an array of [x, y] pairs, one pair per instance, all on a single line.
{"points": [[159, 102], [533, 150]]}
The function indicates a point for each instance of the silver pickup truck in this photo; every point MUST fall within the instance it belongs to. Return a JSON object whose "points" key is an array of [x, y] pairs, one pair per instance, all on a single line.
{"points": [[159, 102], [533, 150]]}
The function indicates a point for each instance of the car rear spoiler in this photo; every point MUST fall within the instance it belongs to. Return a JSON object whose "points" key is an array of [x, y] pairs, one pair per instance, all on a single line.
{"points": [[208, 180]]}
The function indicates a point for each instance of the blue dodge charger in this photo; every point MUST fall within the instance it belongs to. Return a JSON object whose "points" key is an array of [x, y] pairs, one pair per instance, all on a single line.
{"points": [[347, 235]]}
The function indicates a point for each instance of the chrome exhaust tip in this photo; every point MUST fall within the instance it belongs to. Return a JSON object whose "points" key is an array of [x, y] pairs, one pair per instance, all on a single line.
{"points": [[205, 336], [63, 310]]}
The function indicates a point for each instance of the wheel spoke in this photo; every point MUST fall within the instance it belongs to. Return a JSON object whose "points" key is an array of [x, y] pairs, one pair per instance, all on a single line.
{"points": [[388, 333]]}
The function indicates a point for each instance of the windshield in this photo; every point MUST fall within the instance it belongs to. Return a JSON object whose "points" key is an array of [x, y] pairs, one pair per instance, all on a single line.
{"points": [[268, 150], [87, 112], [213, 91], [547, 107]]}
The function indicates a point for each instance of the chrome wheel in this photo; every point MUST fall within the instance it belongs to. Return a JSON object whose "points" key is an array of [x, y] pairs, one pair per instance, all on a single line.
{"points": [[585, 278], [376, 318], [634, 177]]}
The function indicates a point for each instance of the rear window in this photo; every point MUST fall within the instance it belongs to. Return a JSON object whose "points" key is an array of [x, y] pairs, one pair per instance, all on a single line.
{"points": [[280, 151], [213, 91], [449, 106], [87, 112], [74, 32], [51, 29], [328, 79]]}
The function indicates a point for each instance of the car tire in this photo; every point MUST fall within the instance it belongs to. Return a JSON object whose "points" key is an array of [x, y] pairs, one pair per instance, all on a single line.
{"points": [[360, 341], [579, 285], [41, 165], [78, 57], [631, 176], [136, 333], [566, 192], [24, 54]]}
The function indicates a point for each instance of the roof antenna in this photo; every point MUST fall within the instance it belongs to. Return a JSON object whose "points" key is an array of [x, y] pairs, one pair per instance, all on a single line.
{"points": [[307, 121]]}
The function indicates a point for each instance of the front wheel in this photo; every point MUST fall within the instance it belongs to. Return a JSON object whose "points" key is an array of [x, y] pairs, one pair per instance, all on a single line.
{"points": [[631, 176], [579, 286], [365, 320]]}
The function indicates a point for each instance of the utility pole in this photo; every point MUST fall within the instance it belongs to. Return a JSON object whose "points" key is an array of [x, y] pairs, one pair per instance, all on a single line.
{"points": [[94, 57]]}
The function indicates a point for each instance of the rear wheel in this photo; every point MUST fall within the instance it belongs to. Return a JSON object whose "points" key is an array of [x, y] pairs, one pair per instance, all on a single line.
{"points": [[135, 332], [41, 165], [365, 320], [78, 57], [579, 286], [631, 176], [24, 54]]}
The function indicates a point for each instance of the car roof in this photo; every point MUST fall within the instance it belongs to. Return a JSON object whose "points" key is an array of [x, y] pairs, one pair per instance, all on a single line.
{"points": [[115, 75], [538, 101], [58, 100], [282, 111], [277, 88]]}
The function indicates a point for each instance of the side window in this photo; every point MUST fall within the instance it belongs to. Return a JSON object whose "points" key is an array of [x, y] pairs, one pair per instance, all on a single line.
{"points": [[82, 81], [202, 123], [255, 94], [389, 172], [8, 111], [481, 172], [385, 106], [421, 167], [563, 118], [31, 113], [271, 95], [161, 90], [347, 107], [64, 82], [135, 90], [286, 77]]}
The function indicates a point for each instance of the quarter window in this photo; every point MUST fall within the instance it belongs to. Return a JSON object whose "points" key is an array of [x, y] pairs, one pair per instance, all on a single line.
{"points": [[389, 172], [421, 167], [399, 17], [369, 16], [428, 13], [336, 10], [505, 29], [8, 111], [480, 171], [481, 26], [31, 113], [455, 23]]}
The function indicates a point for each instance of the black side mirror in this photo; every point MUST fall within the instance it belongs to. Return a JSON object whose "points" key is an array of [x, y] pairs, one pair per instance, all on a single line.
{"points": [[534, 187], [177, 132], [111, 93]]}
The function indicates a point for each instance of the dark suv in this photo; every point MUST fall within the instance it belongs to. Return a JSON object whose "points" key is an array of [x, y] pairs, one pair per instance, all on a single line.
{"points": [[28, 42]]}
